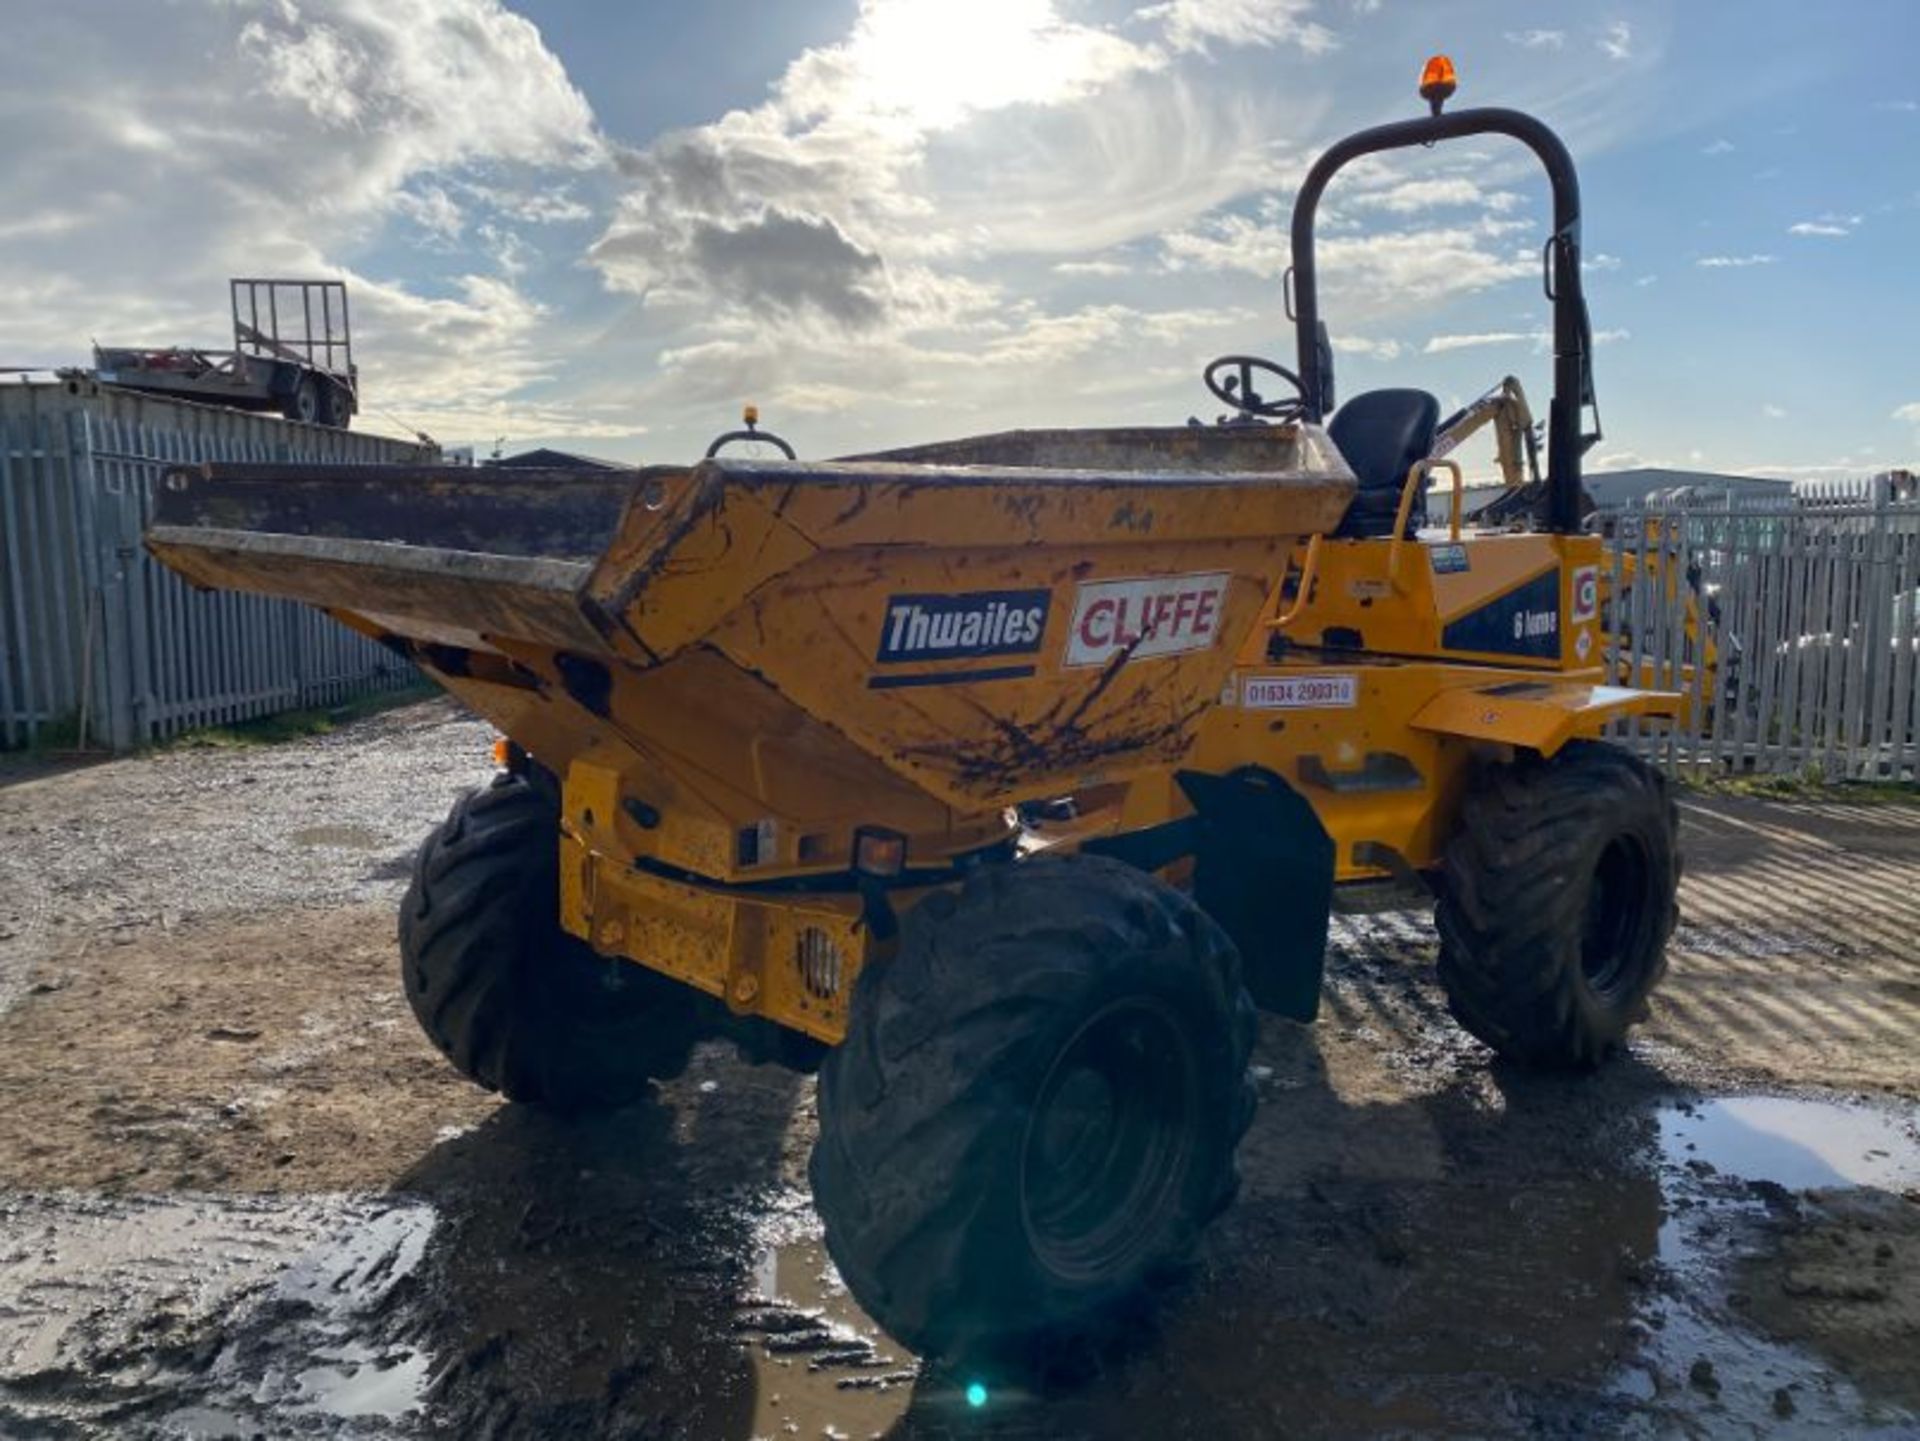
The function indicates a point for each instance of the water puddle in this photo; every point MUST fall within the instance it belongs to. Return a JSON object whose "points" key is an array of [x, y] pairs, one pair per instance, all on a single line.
{"points": [[1774, 1207], [223, 1310], [1799, 1144], [343, 1281], [820, 1366], [357, 1380]]}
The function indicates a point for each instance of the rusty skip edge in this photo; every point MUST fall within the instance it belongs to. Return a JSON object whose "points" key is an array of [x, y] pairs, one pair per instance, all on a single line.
{"points": [[564, 489], [544, 530]]}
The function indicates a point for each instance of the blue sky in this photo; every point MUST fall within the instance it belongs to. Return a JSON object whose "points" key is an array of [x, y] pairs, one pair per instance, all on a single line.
{"points": [[604, 226]]}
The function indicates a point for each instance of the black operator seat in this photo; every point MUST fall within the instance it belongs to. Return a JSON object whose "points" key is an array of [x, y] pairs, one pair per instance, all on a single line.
{"points": [[1382, 433]]}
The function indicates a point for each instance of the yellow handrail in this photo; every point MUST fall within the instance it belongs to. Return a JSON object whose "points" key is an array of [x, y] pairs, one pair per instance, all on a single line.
{"points": [[1416, 473], [1308, 569]]}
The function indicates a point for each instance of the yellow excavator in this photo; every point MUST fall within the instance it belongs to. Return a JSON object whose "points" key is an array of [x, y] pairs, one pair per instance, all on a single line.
{"points": [[772, 725]]}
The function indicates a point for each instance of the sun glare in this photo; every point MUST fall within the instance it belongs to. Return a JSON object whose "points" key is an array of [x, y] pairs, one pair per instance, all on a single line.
{"points": [[931, 63]]}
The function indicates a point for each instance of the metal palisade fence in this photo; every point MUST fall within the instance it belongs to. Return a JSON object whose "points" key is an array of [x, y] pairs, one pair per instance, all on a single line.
{"points": [[96, 638], [1792, 626]]}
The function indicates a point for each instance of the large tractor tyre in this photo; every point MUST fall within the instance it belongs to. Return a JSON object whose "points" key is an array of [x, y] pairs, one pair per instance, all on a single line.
{"points": [[513, 1001], [1558, 899], [1034, 1113]]}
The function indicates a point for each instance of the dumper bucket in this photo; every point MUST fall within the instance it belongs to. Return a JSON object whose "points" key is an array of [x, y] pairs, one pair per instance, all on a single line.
{"points": [[986, 619]]}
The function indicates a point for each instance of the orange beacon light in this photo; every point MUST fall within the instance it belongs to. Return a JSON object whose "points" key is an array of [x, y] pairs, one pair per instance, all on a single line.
{"points": [[1438, 82]]}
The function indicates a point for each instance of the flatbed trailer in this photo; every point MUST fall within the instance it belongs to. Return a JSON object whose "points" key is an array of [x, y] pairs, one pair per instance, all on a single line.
{"points": [[292, 353]]}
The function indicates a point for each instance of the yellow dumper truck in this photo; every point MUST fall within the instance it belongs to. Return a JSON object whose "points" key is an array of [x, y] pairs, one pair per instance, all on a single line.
{"points": [[1000, 779]]}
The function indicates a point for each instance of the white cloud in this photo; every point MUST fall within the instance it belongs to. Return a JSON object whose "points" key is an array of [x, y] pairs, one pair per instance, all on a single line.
{"points": [[1374, 349], [877, 216], [280, 137], [433, 210], [1828, 224], [1608, 461], [1906, 107], [1719, 147], [1538, 39], [1600, 260], [1909, 411], [1410, 196], [1372, 274], [1645, 280], [1616, 42], [815, 206], [1773, 412], [927, 64], [1541, 340], [1732, 262], [1440, 344], [981, 376], [543, 203], [1199, 24]]}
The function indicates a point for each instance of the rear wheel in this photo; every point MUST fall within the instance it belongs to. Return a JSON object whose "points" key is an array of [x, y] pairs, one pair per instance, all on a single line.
{"points": [[1558, 900], [303, 401], [1034, 1113], [517, 1004], [336, 407]]}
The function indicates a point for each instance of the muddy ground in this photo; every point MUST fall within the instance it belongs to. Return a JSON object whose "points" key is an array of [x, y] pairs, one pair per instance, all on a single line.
{"points": [[240, 1195]]}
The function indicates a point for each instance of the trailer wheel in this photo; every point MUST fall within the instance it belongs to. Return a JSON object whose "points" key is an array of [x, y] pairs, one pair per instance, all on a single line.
{"points": [[1558, 899], [1034, 1113], [336, 407], [303, 401], [513, 1001]]}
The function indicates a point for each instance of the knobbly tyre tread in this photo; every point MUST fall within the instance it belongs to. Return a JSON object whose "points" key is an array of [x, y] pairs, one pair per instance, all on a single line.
{"points": [[516, 1004], [946, 1044], [1513, 898]]}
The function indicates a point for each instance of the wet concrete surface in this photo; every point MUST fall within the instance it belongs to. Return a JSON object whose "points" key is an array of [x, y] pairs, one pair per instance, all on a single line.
{"points": [[1717, 1236]]}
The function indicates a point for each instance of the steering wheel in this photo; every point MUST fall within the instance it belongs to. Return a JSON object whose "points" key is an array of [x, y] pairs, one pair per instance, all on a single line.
{"points": [[1235, 387]]}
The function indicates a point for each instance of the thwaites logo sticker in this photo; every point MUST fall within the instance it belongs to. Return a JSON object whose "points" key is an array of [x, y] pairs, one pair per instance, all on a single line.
{"points": [[1300, 692], [1524, 621], [1163, 615], [962, 627], [1586, 593]]}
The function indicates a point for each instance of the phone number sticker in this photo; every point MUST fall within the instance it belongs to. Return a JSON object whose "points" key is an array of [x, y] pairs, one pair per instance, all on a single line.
{"points": [[1299, 692]]}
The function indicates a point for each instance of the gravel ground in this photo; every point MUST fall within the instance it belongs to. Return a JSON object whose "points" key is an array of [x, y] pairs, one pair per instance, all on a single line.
{"points": [[240, 1195]]}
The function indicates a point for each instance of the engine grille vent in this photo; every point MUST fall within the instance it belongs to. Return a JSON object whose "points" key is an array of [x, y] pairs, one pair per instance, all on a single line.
{"points": [[819, 962]]}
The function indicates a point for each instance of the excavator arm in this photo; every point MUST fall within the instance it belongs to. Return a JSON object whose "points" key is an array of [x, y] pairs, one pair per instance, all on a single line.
{"points": [[1505, 408]]}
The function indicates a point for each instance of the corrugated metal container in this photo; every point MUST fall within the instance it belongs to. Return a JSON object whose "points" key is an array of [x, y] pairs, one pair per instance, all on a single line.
{"points": [[93, 634]]}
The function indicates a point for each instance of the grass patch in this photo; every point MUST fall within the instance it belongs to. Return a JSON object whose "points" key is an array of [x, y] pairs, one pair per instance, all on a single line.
{"points": [[299, 724], [1809, 785], [53, 743]]}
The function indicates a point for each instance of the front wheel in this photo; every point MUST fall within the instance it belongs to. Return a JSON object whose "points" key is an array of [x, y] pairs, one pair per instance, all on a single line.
{"points": [[1034, 1113], [1558, 899], [516, 1003]]}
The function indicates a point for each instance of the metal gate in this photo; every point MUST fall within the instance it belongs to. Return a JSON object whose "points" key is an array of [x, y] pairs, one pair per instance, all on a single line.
{"points": [[1790, 626], [98, 640]]}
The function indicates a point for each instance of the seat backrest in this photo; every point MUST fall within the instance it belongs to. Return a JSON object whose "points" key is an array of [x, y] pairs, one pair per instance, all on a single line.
{"points": [[1381, 433]]}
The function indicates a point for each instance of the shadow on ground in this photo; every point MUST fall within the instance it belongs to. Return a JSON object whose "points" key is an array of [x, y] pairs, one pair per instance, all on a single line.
{"points": [[1508, 1254]]}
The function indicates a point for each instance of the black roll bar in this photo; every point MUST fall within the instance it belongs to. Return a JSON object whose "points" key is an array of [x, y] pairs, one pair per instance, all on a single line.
{"points": [[1572, 334]]}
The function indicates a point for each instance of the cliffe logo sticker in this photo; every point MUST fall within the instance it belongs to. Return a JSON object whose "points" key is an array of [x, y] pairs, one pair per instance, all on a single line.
{"points": [[960, 627], [1164, 615], [1300, 692], [1586, 593]]}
